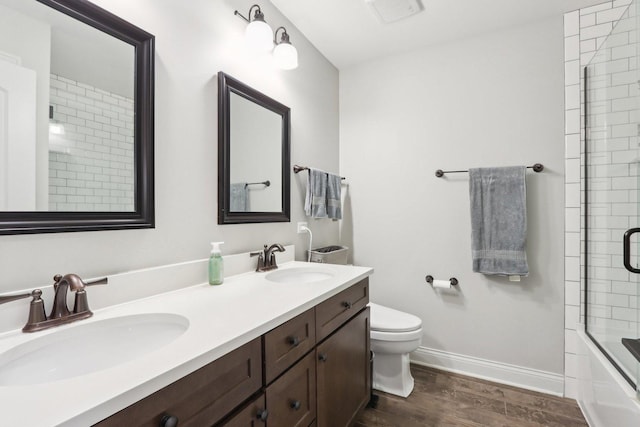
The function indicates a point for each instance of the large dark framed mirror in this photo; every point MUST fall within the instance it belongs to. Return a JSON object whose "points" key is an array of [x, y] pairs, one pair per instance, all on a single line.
{"points": [[253, 155], [76, 119]]}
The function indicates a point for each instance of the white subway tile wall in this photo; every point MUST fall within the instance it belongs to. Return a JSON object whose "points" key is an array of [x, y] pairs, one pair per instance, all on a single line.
{"points": [[91, 165], [612, 191]]}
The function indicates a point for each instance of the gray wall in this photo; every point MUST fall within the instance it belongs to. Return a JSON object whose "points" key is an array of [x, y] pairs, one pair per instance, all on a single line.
{"points": [[193, 42], [494, 100]]}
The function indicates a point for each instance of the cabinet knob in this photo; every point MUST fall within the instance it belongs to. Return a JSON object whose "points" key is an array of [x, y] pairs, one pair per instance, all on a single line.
{"points": [[322, 357], [262, 414], [346, 304], [294, 341], [169, 421], [295, 405]]}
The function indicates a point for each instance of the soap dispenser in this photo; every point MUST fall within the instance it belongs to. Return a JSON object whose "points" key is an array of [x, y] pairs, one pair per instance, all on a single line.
{"points": [[216, 265]]}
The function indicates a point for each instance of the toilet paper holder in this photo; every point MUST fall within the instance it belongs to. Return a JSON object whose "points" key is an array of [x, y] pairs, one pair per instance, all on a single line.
{"points": [[453, 280]]}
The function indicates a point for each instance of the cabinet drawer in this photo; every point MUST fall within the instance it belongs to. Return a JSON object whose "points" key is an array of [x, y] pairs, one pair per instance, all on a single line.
{"points": [[335, 311], [252, 415], [287, 343], [291, 399], [203, 397]]}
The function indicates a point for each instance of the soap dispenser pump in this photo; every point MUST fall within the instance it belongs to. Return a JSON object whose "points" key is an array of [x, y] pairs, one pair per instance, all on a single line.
{"points": [[216, 265]]}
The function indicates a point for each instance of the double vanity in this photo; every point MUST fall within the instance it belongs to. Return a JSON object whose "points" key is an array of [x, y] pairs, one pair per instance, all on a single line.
{"points": [[284, 348]]}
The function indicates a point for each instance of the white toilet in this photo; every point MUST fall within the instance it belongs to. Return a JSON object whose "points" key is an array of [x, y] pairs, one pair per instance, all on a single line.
{"points": [[394, 334]]}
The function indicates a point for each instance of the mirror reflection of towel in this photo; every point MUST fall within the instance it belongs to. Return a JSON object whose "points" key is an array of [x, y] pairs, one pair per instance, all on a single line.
{"points": [[239, 197], [323, 195]]}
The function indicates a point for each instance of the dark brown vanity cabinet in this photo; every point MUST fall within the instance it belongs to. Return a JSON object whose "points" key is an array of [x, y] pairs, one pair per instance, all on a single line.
{"points": [[312, 370]]}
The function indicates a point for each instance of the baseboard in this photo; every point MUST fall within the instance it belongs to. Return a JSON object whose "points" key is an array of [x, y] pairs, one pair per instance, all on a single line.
{"points": [[503, 373]]}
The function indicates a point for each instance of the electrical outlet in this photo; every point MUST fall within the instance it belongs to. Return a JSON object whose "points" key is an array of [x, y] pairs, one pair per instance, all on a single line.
{"points": [[300, 225]]}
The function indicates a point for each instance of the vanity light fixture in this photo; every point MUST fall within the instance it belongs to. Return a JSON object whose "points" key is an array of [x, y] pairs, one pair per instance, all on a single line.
{"points": [[55, 127], [258, 32], [258, 36], [284, 54]]}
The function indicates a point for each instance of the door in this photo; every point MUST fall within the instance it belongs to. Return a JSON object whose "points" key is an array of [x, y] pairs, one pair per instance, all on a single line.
{"points": [[611, 177], [17, 138]]}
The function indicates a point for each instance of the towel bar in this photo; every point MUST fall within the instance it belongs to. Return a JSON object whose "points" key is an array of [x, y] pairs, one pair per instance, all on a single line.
{"points": [[453, 280], [297, 169], [538, 167], [266, 183]]}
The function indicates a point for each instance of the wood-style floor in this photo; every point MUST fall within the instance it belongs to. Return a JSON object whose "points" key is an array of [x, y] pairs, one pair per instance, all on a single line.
{"points": [[444, 399]]}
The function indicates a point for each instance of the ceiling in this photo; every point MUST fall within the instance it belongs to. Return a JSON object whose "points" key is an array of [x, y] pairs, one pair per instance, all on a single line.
{"points": [[347, 32]]}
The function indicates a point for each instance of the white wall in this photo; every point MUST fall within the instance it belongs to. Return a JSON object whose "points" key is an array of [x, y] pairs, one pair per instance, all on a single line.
{"points": [[494, 100], [193, 42]]}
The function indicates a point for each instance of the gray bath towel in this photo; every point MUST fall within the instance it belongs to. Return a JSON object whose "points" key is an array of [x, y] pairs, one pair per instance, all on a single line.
{"points": [[315, 203], [498, 220], [323, 195], [239, 197], [334, 192]]}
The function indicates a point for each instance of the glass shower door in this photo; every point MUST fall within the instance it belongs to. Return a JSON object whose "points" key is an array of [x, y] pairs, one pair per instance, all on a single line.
{"points": [[612, 194]]}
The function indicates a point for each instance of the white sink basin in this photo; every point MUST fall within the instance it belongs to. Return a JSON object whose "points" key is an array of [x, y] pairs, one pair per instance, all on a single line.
{"points": [[89, 347], [300, 275]]}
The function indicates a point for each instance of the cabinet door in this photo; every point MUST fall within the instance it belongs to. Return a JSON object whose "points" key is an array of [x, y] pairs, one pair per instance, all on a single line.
{"points": [[253, 415], [344, 378], [291, 399]]}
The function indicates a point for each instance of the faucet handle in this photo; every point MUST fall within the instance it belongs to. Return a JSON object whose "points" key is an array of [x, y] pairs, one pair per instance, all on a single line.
{"points": [[36, 309], [260, 255], [81, 305], [103, 281], [9, 298]]}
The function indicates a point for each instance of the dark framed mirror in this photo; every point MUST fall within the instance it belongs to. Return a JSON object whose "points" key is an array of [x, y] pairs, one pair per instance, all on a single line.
{"points": [[254, 170], [81, 159]]}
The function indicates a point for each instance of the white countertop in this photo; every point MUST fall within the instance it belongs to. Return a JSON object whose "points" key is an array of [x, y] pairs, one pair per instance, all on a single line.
{"points": [[221, 319]]}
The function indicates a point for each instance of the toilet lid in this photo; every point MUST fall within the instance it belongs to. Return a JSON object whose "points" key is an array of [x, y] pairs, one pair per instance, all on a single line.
{"points": [[385, 319]]}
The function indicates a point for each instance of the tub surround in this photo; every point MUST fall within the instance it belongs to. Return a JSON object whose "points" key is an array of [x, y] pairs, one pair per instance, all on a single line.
{"points": [[221, 319]]}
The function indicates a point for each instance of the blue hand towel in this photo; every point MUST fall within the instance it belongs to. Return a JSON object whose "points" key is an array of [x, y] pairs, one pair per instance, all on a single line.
{"points": [[498, 220]]}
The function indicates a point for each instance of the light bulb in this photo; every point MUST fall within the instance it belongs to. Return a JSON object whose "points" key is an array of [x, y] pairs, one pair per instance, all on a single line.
{"points": [[56, 128], [259, 36], [286, 56]]}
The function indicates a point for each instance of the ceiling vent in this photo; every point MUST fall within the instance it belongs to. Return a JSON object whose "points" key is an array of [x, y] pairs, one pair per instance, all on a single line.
{"points": [[389, 11]]}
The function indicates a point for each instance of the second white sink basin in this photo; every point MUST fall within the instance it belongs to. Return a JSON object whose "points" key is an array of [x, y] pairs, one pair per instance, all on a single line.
{"points": [[89, 347], [300, 275]]}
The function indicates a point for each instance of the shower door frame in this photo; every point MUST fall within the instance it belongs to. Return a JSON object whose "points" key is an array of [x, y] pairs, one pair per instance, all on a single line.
{"points": [[586, 236]]}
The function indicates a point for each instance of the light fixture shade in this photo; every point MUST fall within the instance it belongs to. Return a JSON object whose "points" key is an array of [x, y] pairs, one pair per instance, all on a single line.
{"points": [[285, 56], [56, 128], [259, 36]]}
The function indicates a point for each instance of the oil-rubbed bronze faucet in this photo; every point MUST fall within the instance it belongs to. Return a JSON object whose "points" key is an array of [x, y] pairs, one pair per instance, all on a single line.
{"points": [[267, 257], [60, 313]]}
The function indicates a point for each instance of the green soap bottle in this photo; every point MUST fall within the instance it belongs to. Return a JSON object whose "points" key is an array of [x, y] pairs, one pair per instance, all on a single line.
{"points": [[216, 265]]}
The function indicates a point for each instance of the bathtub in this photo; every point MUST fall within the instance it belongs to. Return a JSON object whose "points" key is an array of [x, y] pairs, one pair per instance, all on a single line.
{"points": [[606, 399]]}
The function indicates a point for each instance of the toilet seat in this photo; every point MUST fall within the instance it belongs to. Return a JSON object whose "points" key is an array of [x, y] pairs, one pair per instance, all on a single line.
{"points": [[390, 321]]}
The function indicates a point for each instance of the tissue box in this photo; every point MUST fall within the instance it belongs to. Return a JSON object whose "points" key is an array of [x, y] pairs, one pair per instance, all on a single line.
{"points": [[330, 254]]}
